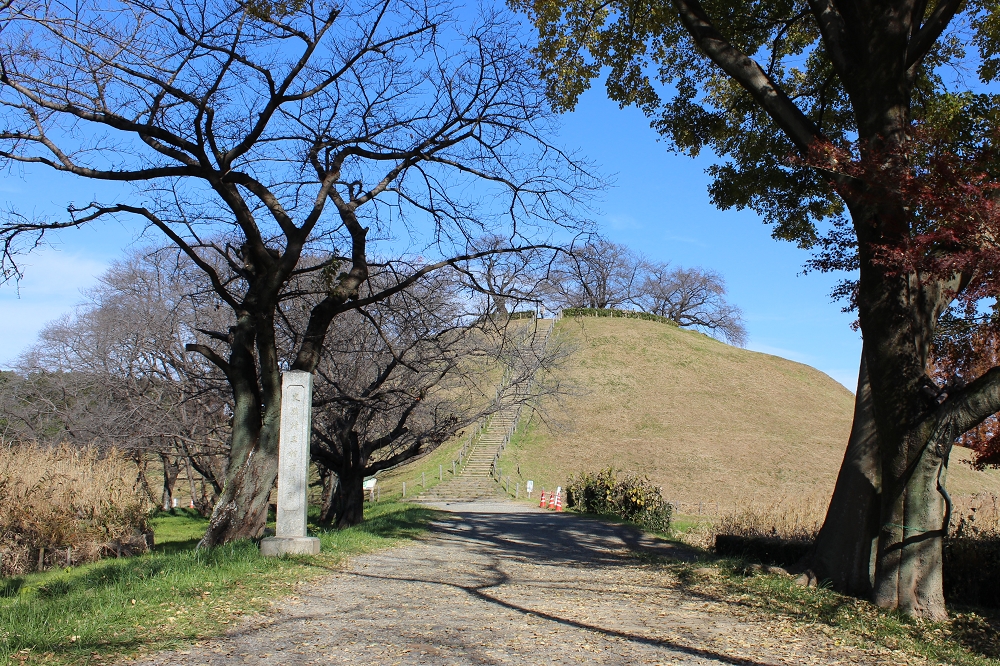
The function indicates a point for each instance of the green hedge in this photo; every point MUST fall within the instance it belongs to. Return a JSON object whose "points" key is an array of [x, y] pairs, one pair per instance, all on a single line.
{"points": [[614, 312]]}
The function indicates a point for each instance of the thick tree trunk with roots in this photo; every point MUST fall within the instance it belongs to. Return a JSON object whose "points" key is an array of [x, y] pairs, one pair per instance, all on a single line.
{"points": [[846, 545], [898, 312]]}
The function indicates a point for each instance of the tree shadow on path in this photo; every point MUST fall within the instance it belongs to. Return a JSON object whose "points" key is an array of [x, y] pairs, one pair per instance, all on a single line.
{"points": [[493, 540]]}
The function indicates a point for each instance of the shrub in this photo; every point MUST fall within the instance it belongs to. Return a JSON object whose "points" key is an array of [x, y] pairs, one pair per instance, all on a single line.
{"points": [[624, 495], [66, 505]]}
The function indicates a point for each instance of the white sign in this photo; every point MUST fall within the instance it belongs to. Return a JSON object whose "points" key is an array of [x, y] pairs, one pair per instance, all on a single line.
{"points": [[530, 485]]}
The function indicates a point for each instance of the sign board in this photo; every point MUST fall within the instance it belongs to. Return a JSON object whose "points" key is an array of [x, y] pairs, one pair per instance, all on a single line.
{"points": [[530, 485], [370, 483]]}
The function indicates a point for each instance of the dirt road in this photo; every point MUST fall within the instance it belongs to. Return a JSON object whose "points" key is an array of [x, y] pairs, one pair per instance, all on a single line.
{"points": [[501, 584]]}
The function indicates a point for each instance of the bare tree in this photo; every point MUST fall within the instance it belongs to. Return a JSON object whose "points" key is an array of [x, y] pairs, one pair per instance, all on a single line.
{"points": [[512, 282], [256, 134], [692, 297], [402, 376], [115, 372], [596, 274]]}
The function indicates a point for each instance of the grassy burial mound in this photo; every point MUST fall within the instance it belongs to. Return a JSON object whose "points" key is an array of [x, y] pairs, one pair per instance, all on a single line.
{"points": [[708, 422]]}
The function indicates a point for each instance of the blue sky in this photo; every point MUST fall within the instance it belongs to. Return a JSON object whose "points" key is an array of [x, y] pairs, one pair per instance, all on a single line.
{"points": [[658, 205]]}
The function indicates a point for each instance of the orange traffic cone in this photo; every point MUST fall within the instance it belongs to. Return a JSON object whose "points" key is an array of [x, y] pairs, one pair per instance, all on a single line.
{"points": [[558, 502], [541, 505], [552, 500]]}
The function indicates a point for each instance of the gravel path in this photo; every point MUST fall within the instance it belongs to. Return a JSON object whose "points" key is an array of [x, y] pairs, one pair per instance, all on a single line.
{"points": [[503, 584]]}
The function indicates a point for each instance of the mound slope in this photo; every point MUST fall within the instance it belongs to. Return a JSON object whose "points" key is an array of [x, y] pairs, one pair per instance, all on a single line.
{"points": [[706, 421]]}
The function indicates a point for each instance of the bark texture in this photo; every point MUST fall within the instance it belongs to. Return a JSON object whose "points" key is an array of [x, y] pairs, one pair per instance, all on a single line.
{"points": [[846, 545], [241, 510], [352, 501]]}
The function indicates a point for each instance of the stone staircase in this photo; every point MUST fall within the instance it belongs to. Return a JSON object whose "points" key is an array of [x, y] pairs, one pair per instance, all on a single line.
{"points": [[477, 478]]}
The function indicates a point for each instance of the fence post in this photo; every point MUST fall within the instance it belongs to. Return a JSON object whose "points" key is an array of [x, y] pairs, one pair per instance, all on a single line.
{"points": [[440, 472], [404, 488], [453, 468]]}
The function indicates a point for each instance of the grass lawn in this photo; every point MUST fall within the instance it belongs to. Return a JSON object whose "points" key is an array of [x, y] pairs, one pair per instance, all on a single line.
{"points": [[173, 595]]}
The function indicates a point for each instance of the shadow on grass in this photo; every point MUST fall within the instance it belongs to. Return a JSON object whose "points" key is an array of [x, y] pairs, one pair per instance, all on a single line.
{"points": [[404, 524], [970, 634], [10, 587], [173, 547], [977, 630]]}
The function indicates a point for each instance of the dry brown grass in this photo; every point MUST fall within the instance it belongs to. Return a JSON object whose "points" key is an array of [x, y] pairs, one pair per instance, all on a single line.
{"points": [[976, 516], [740, 431], [66, 505]]}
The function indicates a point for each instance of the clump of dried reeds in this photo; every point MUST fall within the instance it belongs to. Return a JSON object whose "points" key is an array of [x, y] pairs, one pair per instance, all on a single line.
{"points": [[788, 518], [799, 519], [66, 505]]}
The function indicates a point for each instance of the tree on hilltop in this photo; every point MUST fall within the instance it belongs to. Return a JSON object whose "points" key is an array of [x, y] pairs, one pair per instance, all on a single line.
{"points": [[595, 274], [601, 274], [255, 135], [816, 108], [692, 297]]}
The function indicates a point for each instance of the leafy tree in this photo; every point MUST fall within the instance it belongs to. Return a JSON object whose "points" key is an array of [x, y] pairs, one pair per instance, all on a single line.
{"points": [[815, 107], [256, 134]]}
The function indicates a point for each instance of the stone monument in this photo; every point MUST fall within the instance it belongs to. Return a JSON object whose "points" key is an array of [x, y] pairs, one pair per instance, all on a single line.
{"points": [[293, 469]]}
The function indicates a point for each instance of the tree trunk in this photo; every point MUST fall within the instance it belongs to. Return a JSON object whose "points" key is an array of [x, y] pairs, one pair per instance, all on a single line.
{"points": [[898, 313], [846, 545], [331, 496], [170, 472], [241, 512], [191, 482], [142, 463], [908, 575], [352, 506]]}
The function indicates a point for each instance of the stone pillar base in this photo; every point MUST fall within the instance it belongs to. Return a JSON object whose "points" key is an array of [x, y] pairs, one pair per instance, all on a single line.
{"points": [[278, 546]]}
